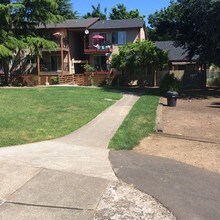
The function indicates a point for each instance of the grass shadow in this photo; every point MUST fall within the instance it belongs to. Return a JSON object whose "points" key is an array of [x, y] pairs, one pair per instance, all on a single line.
{"points": [[133, 90], [200, 93]]}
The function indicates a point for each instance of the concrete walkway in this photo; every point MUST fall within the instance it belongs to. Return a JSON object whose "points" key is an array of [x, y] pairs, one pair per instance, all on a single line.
{"points": [[71, 177]]}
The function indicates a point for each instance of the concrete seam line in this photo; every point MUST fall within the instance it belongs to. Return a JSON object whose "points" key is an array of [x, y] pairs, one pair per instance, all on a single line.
{"points": [[40, 169], [48, 206], [101, 197], [74, 173]]}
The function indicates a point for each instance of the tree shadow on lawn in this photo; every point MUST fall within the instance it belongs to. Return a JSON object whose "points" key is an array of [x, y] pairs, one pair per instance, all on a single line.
{"points": [[200, 93], [133, 90], [209, 92]]}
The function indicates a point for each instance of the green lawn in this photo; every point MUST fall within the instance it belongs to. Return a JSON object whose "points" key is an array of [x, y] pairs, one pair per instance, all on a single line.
{"points": [[139, 123], [33, 114]]}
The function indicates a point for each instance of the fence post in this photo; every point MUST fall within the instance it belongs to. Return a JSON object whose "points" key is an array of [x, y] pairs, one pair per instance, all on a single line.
{"points": [[155, 78]]}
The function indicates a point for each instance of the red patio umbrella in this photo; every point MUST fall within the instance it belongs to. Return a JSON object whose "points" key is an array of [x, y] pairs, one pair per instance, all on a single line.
{"points": [[98, 37]]}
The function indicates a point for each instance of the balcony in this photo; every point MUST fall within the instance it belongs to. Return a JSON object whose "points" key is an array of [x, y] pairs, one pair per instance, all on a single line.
{"points": [[98, 49], [48, 68], [59, 45]]}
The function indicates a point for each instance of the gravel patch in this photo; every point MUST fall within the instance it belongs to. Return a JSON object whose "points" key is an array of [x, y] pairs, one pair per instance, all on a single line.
{"points": [[122, 201]]}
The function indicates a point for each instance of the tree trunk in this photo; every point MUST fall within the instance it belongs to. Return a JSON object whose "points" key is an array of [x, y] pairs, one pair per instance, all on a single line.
{"points": [[5, 62]]}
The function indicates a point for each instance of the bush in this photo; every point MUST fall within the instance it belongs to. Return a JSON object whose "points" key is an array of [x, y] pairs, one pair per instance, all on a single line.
{"points": [[54, 80], [32, 80], [169, 83], [106, 81], [91, 79], [18, 81], [215, 81], [88, 68]]}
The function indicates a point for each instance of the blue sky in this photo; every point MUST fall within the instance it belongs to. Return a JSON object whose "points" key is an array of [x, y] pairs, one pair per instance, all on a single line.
{"points": [[145, 7]]}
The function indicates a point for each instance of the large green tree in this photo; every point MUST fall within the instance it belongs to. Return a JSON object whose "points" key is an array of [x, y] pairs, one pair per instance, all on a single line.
{"points": [[96, 13], [161, 23], [120, 12], [139, 55], [198, 29], [65, 9], [194, 25], [19, 19]]}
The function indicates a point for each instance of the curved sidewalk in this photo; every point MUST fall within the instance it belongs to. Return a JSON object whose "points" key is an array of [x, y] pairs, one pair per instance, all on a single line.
{"points": [[71, 177], [83, 151]]}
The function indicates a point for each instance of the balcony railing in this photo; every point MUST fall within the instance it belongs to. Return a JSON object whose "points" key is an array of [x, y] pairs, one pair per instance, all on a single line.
{"points": [[102, 48], [53, 67], [58, 42]]}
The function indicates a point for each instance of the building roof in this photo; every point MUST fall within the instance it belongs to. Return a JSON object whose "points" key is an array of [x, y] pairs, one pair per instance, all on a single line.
{"points": [[72, 23], [117, 24], [175, 53]]}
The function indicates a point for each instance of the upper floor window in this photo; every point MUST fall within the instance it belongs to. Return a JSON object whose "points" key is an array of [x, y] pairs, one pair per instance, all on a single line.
{"points": [[119, 37]]}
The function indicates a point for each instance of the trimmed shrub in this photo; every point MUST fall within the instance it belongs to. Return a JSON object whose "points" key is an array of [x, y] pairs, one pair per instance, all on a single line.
{"points": [[169, 83]]}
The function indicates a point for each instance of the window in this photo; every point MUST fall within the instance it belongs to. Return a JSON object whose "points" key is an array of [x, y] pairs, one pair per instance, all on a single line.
{"points": [[100, 63], [56, 63], [114, 37], [119, 37]]}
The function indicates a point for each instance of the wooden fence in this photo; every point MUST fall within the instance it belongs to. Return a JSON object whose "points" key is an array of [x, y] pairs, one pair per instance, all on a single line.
{"points": [[65, 79], [79, 79], [188, 78]]}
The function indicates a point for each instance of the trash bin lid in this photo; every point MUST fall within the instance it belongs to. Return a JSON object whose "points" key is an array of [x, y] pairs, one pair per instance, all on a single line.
{"points": [[172, 94]]}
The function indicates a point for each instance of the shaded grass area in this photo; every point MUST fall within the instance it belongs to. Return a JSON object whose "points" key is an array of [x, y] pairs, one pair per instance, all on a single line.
{"points": [[139, 123], [33, 114], [209, 92]]}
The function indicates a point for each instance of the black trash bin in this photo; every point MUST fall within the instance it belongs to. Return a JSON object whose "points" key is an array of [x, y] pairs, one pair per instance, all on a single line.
{"points": [[172, 98]]}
